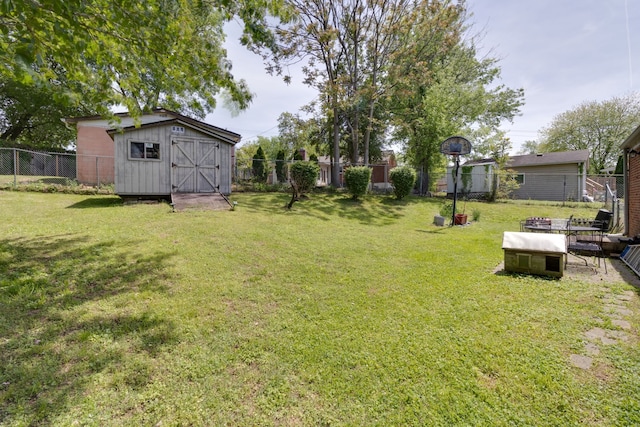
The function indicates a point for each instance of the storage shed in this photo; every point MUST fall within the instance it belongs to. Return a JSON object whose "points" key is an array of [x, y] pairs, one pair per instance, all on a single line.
{"points": [[171, 156], [534, 253], [148, 170]]}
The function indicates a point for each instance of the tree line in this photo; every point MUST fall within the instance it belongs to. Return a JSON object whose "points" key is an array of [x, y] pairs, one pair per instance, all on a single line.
{"points": [[404, 72]]}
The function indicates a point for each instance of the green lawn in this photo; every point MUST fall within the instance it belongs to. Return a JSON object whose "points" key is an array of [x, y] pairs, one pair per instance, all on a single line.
{"points": [[334, 313]]}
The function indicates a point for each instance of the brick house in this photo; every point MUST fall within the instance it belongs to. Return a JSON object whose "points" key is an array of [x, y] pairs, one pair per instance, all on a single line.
{"points": [[631, 157]]}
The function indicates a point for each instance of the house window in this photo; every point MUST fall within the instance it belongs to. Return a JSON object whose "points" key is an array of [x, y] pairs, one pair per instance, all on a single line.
{"points": [[519, 178], [144, 150]]}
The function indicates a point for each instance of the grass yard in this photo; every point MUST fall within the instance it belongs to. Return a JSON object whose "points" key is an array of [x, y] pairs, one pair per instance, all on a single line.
{"points": [[334, 313]]}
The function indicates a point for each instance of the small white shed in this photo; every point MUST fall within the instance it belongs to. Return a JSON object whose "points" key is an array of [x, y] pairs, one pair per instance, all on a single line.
{"points": [[534, 253], [171, 156], [475, 178]]}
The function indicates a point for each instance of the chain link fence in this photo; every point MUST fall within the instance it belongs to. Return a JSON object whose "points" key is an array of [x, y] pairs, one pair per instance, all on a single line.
{"points": [[276, 176], [18, 166]]}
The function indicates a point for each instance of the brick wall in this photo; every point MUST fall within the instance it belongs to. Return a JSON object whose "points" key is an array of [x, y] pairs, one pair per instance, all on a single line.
{"points": [[633, 204], [95, 162]]}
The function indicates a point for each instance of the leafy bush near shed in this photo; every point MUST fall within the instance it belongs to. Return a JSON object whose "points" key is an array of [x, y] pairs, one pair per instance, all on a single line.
{"points": [[403, 179], [356, 179]]}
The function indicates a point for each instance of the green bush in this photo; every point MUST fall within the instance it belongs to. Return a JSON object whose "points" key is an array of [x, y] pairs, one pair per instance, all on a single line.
{"points": [[403, 179], [446, 209], [259, 166], [303, 177], [356, 179], [281, 166]]}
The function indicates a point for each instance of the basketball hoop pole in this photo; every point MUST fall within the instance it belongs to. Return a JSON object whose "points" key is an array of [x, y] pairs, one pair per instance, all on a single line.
{"points": [[455, 189], [455, 146]]}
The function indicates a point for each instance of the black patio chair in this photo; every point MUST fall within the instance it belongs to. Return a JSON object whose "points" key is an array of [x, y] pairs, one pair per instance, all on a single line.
{"points": [[585, 248]]}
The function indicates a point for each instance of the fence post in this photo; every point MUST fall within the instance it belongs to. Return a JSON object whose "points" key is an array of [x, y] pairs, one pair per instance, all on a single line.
{"points": [[97, 171], [15, 167]]}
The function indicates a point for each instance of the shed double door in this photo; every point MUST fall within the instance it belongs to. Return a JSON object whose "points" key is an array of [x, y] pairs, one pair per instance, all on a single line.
{"points": [[195, 165]]}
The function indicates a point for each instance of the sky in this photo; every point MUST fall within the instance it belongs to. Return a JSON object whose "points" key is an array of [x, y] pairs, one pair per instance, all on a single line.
{"points": [[561, 52]]}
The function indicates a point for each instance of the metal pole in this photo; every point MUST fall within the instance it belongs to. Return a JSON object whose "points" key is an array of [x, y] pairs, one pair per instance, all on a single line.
{"points": [[15, 167], [455, 191]]}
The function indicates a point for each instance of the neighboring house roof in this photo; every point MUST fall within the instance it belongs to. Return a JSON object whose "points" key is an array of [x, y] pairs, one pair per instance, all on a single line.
{"points": [[203, 129], [158, 115], [542, 159], [633, 140]]}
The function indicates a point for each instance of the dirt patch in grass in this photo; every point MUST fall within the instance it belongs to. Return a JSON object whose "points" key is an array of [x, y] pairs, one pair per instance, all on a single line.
{"points": [[616, 271]]}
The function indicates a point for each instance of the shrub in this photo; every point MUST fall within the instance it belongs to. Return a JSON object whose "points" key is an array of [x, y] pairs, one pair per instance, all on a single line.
{"points": [[446, 209], [356, 179], [281, 166], [303, 179], [259, 166], [403, 179]]}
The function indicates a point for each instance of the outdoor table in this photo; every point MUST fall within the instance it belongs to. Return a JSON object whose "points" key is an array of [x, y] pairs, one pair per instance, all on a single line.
{"points": [[556, 228]]}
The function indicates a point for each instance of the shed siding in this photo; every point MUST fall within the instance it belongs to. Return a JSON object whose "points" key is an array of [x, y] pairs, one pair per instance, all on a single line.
{"points": [[553, 182], [154, 177], [225, 167], [633, 204], [481, 178], [138, 176]]}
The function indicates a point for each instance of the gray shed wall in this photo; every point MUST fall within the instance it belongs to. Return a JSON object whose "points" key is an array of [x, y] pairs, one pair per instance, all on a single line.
{"points": [[142, 176], [154, 177]]}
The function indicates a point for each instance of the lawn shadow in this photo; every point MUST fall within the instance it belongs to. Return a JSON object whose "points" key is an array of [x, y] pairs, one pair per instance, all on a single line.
{"points": [[619, 269], [54, 339], [375, 211], [439, 230], [97, 202]]}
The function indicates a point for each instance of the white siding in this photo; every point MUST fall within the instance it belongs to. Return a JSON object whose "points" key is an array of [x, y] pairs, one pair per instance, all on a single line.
{"points": [[481, 179]]}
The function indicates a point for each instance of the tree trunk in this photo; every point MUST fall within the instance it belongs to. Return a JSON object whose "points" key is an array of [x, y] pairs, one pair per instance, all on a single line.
{"points": [[335, 161]]}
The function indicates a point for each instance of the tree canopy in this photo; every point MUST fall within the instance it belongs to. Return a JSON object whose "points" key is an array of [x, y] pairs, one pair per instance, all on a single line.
{"points": [[401, 68], [598, 126], [139, 55]]}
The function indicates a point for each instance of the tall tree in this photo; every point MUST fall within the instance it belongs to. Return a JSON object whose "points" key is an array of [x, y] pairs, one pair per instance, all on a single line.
{"points": [[31, 116], [137, 54], [489, 143], [349, 45], [454, 92], [530, 147], [597, 126], [313, 36]]}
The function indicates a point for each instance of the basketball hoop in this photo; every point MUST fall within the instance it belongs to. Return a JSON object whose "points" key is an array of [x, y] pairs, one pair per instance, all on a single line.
{"points": [[455, 146]]}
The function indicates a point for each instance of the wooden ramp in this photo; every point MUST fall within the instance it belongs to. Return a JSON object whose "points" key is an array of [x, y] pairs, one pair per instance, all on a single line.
{"points": [[206, 201]]}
